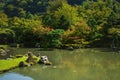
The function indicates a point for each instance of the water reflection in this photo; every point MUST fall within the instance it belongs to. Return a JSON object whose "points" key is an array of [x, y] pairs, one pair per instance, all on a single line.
{"points": [[14, 76], [82, 64]]}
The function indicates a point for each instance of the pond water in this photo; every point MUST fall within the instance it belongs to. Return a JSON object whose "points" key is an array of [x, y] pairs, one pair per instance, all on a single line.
{"points": [[80, 64], [14, 76]]}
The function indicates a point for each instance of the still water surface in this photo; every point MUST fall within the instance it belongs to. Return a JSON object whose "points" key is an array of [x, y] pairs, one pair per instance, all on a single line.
{"points": [[81, 64]]}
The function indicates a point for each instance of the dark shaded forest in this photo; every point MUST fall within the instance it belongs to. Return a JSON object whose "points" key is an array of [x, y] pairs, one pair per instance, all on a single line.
{"points": [[60, 23]]}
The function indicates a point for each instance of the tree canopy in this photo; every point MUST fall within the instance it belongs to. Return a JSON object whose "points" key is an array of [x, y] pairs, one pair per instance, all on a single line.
{"points": [[82, 22]]}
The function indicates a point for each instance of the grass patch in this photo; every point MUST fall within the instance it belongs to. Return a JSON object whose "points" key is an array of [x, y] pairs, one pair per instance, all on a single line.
{"points": [[8, 64]]}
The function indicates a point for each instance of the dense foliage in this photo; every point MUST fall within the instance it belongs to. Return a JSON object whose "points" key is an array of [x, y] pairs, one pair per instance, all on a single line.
{"points": [[53, 23]]}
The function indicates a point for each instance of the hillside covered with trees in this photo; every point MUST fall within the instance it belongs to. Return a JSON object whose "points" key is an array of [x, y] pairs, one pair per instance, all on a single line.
{"points": [[60, 23]]}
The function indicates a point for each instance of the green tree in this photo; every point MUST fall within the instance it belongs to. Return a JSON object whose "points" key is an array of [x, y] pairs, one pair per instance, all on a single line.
{"points": [[28, 38], [19, 8], [59, 19], [6, 36], [2, 6], [21, 24], [54, 5], [63, 23], [54, 38], [3, 20], [69, 12]]}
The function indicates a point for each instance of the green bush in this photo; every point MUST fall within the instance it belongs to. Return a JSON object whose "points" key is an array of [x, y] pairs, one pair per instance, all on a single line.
{"points": [[6, 36], [53, 38]]}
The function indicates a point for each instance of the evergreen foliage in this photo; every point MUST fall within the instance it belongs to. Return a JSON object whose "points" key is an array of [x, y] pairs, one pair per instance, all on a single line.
{"points": [[35, 21]]}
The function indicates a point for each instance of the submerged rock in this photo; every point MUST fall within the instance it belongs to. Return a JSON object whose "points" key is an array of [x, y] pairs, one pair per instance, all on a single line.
{"points": [[54, 67], [21, 64], [70, 48]]}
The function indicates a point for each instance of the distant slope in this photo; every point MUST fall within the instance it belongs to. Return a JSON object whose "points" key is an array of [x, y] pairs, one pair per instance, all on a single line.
{"points": [[78, 2]]}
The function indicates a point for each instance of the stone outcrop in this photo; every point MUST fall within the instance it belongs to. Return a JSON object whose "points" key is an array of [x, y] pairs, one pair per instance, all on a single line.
{"points": [[44, 60], [3, 52]]}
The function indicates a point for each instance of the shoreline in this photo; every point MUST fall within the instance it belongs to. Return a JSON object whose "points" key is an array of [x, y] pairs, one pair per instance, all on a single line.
{"points": [[6, 65]]}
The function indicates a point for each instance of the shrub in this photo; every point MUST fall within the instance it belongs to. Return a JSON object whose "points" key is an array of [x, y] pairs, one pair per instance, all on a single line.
{"points": [[53, 38], [6, 36]]}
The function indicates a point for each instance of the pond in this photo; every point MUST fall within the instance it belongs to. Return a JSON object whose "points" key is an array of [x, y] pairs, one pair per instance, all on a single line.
{"points": [[80, 64]]}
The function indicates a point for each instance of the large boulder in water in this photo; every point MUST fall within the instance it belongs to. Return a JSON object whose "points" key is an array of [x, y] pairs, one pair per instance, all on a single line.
{"points": [[70, 48], [44, 60]]}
